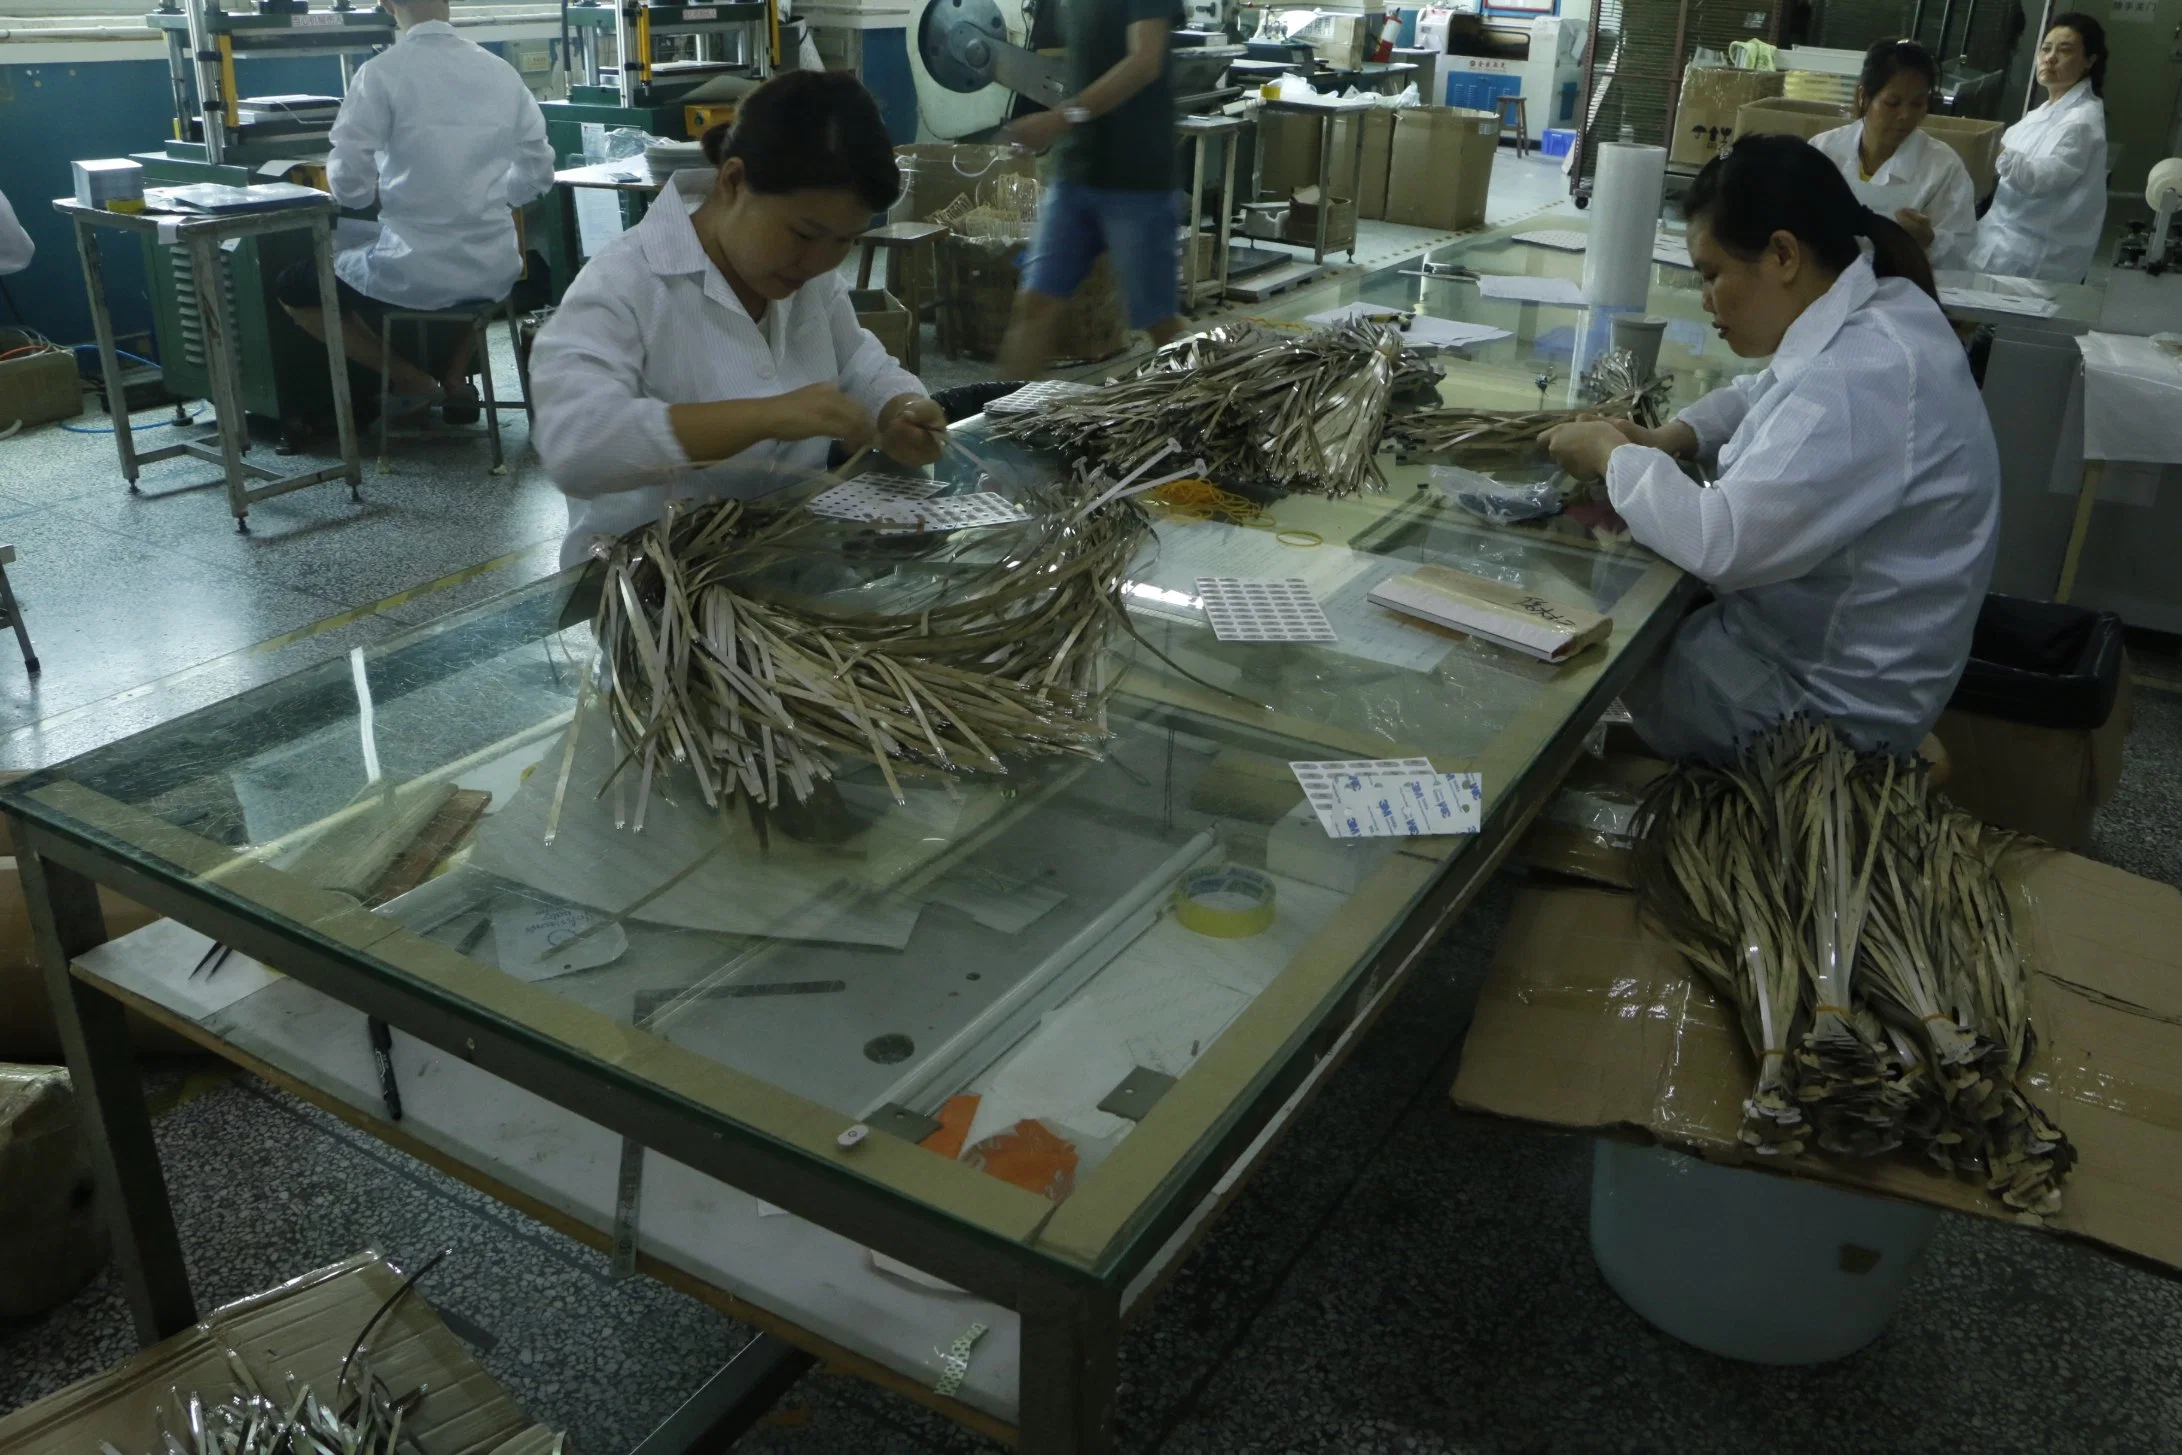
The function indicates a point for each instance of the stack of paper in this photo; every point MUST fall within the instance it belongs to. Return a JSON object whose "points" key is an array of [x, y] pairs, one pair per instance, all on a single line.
{"points": [[1506, 615]]}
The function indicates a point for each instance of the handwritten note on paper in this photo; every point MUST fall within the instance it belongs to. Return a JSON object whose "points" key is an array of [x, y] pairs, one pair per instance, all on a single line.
{"points": [[1376, 798]]}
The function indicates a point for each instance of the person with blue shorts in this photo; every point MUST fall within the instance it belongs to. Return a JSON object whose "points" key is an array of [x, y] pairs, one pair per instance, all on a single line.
{"points": [[1114, 192]]}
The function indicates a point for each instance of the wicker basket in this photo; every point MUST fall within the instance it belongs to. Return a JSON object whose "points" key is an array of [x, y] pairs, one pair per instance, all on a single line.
{"points": [[978, 280]]}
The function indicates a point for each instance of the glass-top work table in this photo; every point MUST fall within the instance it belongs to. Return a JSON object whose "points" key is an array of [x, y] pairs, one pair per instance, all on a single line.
{"points": [[752, 1056]]}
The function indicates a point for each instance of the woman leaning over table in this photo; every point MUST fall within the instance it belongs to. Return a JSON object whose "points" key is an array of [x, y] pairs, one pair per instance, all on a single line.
{"points": [[1849, 531], [2050, 206], [718, 332], [1887, 147]]}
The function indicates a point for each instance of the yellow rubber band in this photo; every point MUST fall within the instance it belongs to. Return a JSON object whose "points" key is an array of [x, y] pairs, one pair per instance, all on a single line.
{"points": [[1300, 538]]}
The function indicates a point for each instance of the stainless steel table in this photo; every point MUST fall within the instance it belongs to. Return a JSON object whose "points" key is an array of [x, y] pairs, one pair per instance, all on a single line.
{"points": [[204, 236]]}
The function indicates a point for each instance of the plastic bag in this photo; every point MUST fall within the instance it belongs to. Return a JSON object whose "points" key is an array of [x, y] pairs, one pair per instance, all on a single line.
{"points": [[1501, 503]]}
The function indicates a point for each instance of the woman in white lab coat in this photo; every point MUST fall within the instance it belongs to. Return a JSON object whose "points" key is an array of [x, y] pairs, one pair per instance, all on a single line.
{"points": [[718, 332], [2050, 207], [1849, 531], [1885, 152]]}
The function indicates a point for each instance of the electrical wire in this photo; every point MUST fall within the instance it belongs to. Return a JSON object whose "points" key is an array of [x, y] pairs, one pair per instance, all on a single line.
{"points": [[134, 427]]}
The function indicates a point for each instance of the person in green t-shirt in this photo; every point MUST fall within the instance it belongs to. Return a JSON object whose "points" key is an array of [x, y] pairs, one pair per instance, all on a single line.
{"points": [[1115, 191]]}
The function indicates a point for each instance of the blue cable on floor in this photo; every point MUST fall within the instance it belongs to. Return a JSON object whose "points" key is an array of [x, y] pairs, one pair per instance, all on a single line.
{"points": [[109, 429]]}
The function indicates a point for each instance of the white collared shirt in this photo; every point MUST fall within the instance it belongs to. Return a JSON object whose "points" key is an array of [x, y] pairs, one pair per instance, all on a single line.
{"points": [[2050, 206], [650, 323], [1849, 535], [1938, 183], [445, 137], [16, 247]]}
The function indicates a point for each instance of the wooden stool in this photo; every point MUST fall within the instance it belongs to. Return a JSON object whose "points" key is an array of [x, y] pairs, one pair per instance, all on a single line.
{"points": [[1522, 126], [910, 247]]}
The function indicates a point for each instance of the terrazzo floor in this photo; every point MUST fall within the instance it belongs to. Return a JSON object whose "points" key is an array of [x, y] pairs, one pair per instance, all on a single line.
{"points": [[1396, 1278]]}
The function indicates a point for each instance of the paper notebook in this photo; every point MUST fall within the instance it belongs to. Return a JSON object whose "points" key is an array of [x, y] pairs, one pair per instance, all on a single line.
{"points": [[1494, 610]]}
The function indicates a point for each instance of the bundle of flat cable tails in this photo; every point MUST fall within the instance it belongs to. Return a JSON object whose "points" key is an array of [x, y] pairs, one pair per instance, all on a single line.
{"points": [[760, 644], [1860, 924], [1264, 408], [1610, 389]]}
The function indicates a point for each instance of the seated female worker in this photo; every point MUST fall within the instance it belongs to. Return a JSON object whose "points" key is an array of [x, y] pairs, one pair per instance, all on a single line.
{"points": [[717, 331], [1887, 147], [1849, 531]]}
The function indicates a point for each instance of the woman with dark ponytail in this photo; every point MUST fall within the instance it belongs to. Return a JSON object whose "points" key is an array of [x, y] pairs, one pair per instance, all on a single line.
{"points": [[1849, 531], [2050, 206]]}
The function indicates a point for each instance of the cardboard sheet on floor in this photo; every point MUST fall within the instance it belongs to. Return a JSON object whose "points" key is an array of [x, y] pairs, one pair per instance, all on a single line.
{"points": [[789, 890], [1592, 1023], [302, 1328]]}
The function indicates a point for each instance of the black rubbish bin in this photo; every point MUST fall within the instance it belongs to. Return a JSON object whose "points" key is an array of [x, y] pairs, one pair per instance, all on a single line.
{"points": [[2043, 664]]}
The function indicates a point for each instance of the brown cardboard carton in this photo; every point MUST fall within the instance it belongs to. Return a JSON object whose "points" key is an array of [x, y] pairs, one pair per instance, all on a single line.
{"points": [[1789, 117], [1287, 151], [883, 313], [1369, 192], [1704, 118], [1582, 831], [1976, 142], [27, 1032], [1442, 166], [304, 1327], [1591, 1022], [2037, 780], [1302, 227]]}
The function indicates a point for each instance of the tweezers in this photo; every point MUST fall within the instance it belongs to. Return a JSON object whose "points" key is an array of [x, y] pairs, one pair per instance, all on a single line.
{"points": [[213, 959]]}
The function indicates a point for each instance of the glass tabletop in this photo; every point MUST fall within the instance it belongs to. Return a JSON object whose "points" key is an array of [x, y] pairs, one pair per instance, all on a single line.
{"points": [[1006, 976]]}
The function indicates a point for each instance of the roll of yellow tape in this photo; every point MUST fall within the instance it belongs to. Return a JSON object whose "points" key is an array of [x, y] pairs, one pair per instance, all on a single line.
{"points": [[1229, 903]]}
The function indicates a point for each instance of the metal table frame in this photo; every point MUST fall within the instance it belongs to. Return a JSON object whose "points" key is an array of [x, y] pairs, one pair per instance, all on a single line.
{"points": [[203, 236], [1201, 132], [1327, 116]]}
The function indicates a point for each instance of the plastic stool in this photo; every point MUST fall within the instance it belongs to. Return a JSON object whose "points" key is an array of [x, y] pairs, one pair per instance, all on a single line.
{"points": [[15, 610], [914, 243], [478, 318], [1522, 123]]}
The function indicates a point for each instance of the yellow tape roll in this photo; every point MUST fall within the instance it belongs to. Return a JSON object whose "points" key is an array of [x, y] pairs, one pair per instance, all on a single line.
{"points": [[1230, 903]]}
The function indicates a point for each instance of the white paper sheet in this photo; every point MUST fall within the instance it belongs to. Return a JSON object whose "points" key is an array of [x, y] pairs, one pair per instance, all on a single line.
{"points": [[1998, 302], [1421, 331], [179, 950], [1884, 198], [1522, 288]]}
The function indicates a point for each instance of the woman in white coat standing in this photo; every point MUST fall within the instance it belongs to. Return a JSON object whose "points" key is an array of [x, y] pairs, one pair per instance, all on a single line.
{"points": [[1886, 148], [2050, 207], [1848, 534], [711, 351]]}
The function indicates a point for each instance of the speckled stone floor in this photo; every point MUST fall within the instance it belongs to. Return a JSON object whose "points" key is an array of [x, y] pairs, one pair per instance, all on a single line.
{"points": [[1396, 1278]]}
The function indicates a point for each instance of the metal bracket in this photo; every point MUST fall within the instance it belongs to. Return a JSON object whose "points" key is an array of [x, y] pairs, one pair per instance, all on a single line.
{"points": [[899, 1121], [1137, 1094]]}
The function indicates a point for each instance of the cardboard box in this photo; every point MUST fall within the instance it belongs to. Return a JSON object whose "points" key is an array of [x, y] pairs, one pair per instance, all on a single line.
{"points": [[1582, 832], [1442, 167], [883, 313], [1704, 117], [1288, 144], [2037, 780], [1787, 117], [52, 1221], [304, 1327], [1590, 1022], [37, 388], [1976, 142], [1370, 190], [1335, 37], [1302, 228]]}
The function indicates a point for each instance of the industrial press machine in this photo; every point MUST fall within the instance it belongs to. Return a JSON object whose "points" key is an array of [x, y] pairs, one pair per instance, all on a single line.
{"points": [[670, 71], [223, 136]]}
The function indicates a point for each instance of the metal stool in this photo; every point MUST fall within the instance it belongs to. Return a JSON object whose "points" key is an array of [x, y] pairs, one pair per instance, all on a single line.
{"points": [[478, 318], [14, 611], [1522, 126], [909, 243]]}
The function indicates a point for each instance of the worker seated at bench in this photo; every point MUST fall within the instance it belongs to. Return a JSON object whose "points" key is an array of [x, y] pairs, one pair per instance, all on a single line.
{"points": [[446, 139]]}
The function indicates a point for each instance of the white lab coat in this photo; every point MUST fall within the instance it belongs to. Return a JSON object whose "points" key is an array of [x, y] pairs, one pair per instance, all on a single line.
{"points": [[2050, 207], [1848, 538], [16, 247], [445, 137], [649, 323], [1926, 168]]}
